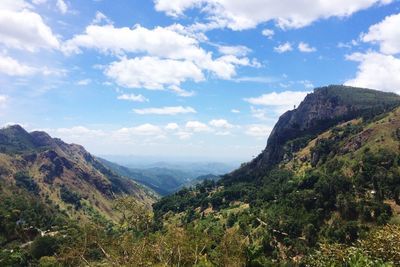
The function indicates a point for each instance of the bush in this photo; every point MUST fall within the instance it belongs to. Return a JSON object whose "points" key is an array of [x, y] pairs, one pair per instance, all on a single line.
{"points": [[44, 246], [70, 197], [47, 261], [23, 180]]}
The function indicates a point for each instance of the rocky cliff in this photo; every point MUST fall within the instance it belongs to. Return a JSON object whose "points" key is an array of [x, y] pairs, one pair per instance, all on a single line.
{"points": [[323, 108]]}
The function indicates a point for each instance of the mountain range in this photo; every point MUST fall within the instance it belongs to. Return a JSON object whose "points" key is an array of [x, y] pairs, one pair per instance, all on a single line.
{"points": [[324, 192], [65, 175]]}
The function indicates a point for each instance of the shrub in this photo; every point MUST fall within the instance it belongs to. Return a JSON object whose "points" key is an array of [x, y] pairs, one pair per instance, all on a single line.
{"points": [[44, 246]]}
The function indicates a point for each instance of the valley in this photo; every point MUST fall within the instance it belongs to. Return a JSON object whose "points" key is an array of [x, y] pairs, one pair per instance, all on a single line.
{"points": [[324, 192]]}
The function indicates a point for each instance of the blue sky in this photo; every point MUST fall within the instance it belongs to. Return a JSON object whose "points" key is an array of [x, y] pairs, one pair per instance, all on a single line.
{"points": [[198, 79]]}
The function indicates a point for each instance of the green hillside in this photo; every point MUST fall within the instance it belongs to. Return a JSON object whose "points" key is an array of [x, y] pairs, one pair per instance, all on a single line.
{"points": [[49, 188], [324, 192], [332, 187]]}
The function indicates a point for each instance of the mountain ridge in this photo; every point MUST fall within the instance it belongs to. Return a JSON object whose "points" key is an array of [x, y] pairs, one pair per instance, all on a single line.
{"points": [[56, 166], [323, 108]]}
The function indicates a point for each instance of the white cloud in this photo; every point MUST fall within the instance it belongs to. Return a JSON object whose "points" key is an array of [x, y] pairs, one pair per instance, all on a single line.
{"points": [[286, 47], [141, 130], [306, 48], [14, 5], [160, 42], [307, 84], [172, 126], [100, 17], [256, 79], [268, 33], [181, 92], [236, 111], [152, 73], [133, 98], [221, 123], [386, 34], [376, 71], [240, 15], [21, 28], [165, 111], [238, 50], [62, 6], [258, 130], [12, 67], [84, 82], [170, 57], [74, 134], [196, 126], [286, 98]]}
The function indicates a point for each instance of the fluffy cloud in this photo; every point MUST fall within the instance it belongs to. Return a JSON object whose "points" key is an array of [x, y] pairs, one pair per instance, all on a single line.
{"points": [[386, 34], [62, 6], [181, 92], [268, 33], [196, 126], [258, 130], [171, 57], [306, 48], [14, 5], [12, 67], [21, 28], [286, 47], [152, 73], [239, 50], [165, 111], [240, 15], [286, 98], [160, 42], [141, 130], [221, 123], [172, 126], [376, 71], [133, 98]]}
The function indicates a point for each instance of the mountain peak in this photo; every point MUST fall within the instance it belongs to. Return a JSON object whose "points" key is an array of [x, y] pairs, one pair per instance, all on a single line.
{"points": [[320, 110]]}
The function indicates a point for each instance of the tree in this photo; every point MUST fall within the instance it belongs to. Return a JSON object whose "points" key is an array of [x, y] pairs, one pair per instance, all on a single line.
{"points": [[134, 215]]}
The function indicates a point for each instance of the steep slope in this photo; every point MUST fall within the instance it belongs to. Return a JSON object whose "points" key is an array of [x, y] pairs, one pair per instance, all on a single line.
{"points": [[334, 181], [63, 174], [320, 110]]}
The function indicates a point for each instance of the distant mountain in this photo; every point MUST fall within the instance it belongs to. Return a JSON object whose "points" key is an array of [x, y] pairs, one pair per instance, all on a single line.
{"points": [[65, 175], [161, 180], [165, 178], [201, 179]]}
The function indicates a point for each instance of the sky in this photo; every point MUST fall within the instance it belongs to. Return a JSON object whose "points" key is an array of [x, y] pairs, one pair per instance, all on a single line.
{"points": [[188, 79]]}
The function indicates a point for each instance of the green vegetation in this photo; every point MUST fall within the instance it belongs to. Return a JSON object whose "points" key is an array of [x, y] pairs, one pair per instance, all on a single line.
{"points": [[23, 180], [70, 197], [331, 200]]}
